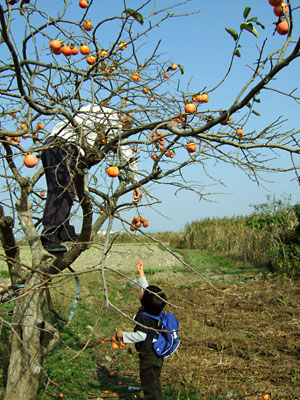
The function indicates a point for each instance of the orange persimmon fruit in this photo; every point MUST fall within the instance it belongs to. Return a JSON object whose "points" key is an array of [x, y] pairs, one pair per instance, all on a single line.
{"points": [[191, 147], [30, 160], [87, 25], [113, 171], [275, 2], [280, 10], [282, 27], [66, 50], [55, 44], [190, 108], [83, 3], [91, 60], [84, 49]]}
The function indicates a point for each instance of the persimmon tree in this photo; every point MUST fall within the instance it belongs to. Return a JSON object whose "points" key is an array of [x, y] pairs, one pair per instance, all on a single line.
{"points": [[54, 62]]}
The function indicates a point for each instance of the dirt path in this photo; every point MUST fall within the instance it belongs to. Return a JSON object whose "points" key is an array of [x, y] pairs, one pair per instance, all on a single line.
{"points": [[124, 256], [238, 341]]}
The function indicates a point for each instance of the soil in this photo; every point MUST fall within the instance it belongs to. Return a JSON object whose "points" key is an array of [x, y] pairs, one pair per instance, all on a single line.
{"points": [[238, 341]]}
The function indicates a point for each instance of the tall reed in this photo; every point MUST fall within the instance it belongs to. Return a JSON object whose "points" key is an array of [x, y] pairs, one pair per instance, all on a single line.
{"points": [[233, 237]]}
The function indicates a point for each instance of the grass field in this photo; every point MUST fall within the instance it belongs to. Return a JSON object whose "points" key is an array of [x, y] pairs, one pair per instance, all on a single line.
{"points": [[239, 329]]}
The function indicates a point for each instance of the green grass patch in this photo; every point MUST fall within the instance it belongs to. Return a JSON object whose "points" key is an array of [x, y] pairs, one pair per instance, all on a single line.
{"points": [[173, 394], [153, 271], [178, 269], [217, 267], [79, 365], [81, 362], [4, 274]]}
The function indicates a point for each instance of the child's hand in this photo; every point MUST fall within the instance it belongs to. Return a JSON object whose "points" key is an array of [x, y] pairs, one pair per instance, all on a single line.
{"points": [[119, 333], [140, 267]]}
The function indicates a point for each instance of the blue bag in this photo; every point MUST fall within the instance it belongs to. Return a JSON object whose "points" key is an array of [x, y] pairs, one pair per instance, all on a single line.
{"points": [[165, 343]]}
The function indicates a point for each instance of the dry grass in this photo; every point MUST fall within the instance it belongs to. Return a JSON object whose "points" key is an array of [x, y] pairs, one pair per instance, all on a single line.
{"points": [[233, 237], [239, 341]]}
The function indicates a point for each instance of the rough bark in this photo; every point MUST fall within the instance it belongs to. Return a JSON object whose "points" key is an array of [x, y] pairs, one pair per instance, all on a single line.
{"points": [[31, 337], [31, 340]]}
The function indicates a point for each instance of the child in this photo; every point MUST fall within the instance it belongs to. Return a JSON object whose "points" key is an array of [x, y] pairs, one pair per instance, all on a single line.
{"points": [[150, 363]]}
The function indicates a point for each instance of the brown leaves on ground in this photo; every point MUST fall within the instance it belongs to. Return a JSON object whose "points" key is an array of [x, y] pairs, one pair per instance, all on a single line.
{"points": [[238, 341]]}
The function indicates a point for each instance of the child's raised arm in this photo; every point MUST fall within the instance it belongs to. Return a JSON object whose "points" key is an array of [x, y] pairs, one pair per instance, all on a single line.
{"points": [[142, 280], [140, 267]]}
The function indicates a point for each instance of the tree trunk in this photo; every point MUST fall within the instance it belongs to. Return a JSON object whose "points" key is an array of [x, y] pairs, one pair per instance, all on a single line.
{"points": [[31, 340]]}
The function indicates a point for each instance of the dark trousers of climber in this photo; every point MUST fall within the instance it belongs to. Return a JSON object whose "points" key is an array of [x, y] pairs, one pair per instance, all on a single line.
{"points": [[60, 194]]}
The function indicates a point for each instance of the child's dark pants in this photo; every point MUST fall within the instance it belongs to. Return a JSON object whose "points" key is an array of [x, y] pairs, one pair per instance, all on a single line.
{"points": [[150, 370]]}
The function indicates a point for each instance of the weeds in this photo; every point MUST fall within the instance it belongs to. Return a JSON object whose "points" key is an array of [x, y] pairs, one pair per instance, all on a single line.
{"points": [[237, 340], [240, 339], [269, 237], [4, 274]]}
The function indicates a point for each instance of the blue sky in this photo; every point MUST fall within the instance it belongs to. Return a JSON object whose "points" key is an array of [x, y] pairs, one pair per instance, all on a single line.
{"points": [[200, 43]]}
